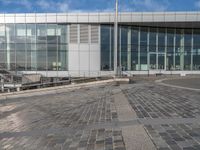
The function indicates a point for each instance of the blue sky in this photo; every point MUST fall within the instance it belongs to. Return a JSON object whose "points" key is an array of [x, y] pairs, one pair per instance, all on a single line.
{"points": [[26, 6]]}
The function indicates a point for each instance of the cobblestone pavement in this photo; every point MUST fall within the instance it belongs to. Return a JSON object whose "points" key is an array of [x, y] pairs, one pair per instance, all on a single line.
{"points": [[61, 121], [171, 116], [95, 119], [185, 82]]}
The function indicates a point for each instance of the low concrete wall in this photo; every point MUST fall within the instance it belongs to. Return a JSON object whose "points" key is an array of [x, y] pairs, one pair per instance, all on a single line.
{"points": [[59, 89], [30, 78]]}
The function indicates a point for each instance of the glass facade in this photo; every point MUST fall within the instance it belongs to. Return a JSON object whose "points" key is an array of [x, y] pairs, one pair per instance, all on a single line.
{"points": [[44, 47], [150, 48], [33, 47]]}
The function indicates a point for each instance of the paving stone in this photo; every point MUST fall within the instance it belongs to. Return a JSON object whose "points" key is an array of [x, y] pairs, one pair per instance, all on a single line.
{"points": [[92, 118]]}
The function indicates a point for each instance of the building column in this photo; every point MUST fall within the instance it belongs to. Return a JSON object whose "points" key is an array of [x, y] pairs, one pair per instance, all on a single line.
{"points": [[192, 47], [110, 48], [129, 50], [8, 47], [139, 67], [165, 61], [148, 55], [182, 50], [174, 53], [157, 49], [120, 47]]}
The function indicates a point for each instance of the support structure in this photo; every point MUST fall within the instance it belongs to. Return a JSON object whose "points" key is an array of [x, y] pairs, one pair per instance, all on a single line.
{"points": [[116, 39], [129, 50]]}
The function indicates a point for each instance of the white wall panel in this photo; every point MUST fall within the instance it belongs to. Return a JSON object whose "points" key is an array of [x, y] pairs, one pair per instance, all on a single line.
{"points": [[84, 61], [61, 19], [94, 17], [2, 19], [74, 47], [72, 18], [19, 19], [41, 18], [104, 18], [9, 18], [191, 17], [30, 19], [73, 58], [95, 47], [159, 18], [111, 18], [147, 17], [84, 47], [125, 17], [180, 17], [170, 17], [95, 61], [51, 18], [136, 17], [83, 18]]}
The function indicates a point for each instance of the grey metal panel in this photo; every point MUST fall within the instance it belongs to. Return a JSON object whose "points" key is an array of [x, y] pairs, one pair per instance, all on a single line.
{"points": [[51, 18]]}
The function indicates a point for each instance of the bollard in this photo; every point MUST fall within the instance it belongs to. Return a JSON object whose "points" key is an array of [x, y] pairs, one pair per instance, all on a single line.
{"points": [[2, 85], [18, 89]]}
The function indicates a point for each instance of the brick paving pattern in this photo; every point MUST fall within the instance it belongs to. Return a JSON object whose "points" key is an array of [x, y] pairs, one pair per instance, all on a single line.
{"points": [[60, 121], [92, 119], [153, 102]]}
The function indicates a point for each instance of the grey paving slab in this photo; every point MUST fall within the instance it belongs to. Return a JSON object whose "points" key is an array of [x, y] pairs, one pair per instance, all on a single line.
{"points": [[170, 115], [103, 117], [185, 82], [60, 121]]}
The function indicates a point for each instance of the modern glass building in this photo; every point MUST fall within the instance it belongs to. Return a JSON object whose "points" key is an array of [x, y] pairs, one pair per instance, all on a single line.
{"points": [[82, 44]]}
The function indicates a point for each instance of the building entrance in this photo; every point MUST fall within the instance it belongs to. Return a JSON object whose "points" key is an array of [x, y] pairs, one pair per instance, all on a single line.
{"points": [[156, 61]]}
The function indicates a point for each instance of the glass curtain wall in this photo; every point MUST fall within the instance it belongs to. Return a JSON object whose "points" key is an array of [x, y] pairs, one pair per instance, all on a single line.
{"points": [[32, 47], [134, 48], [196, 50], [150, 48], [107, 49]]}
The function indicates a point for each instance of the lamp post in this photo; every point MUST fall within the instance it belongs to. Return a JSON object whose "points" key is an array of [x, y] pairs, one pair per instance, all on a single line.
{"points": [[116, 39]]}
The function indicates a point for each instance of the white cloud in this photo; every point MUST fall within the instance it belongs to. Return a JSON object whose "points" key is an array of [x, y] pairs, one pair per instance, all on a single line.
{"points": [[151, 5], [49, 5], [24, 3]]}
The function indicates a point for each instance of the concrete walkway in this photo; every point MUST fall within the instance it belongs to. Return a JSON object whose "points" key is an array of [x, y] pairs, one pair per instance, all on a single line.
{"points": [[135, 137]]}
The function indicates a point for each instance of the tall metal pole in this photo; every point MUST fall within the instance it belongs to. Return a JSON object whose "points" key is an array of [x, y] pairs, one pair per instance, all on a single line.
{"points": [[116, 39]]}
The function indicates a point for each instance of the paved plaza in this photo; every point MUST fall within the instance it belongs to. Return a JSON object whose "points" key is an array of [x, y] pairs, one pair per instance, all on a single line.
{"points": [[140, 116]]}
